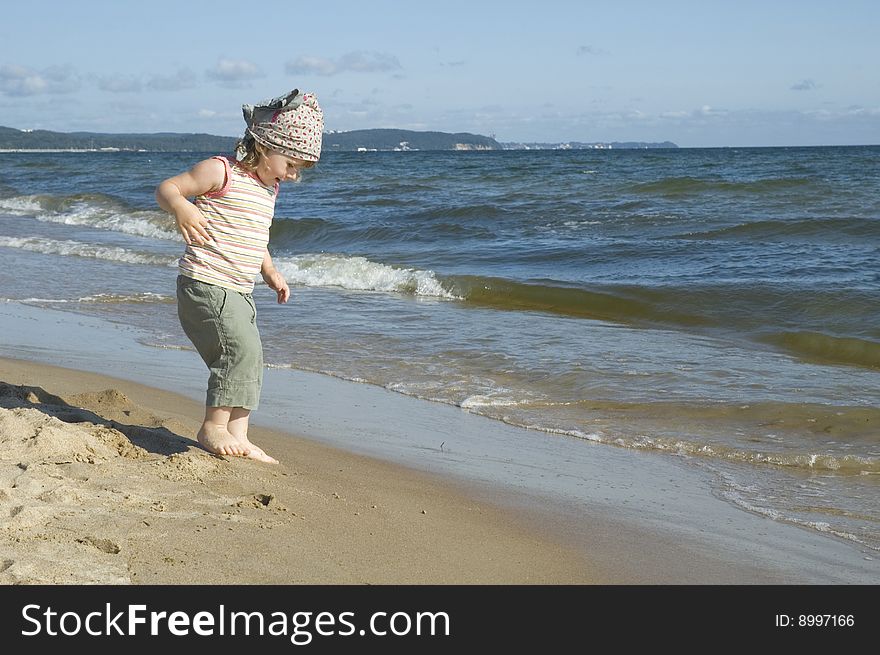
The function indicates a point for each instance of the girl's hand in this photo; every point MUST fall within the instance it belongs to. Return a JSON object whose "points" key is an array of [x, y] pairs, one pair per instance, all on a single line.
{"points": [[275, 281], [191, 223]]}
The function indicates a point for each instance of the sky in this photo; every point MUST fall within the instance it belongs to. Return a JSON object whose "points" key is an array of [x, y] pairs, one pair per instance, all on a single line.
{"points": [[700, 74]]}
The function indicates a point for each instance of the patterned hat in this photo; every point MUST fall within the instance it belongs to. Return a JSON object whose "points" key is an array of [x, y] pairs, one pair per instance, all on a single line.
{"points": [[292, 124]]}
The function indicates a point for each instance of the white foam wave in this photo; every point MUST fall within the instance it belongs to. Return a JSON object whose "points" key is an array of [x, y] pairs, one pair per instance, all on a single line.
{"points": [[739, 494], [104, 216], [21, 205], [577, 434], [136, 223], [166, 346], [79, 249], [483, 400], [359, 273], [145, 297]]}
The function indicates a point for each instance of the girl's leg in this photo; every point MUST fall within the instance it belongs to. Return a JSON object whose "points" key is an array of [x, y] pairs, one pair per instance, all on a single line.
{"points": [[238, 423], [215, 436], [238, 428]]}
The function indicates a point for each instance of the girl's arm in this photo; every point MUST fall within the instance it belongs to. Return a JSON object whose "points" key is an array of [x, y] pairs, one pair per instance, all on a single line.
{"points": [[206, 176], [274, 279]]}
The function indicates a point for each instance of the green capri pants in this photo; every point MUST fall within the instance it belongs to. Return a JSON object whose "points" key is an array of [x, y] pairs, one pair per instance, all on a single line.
{"points": [[222, 325]]}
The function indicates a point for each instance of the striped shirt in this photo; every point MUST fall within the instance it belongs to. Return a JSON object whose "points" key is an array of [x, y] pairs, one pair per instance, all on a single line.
{"points": [[239, 216]]}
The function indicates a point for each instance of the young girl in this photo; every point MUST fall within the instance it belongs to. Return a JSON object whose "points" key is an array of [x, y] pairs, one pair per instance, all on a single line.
{"points": [[226, 230]]}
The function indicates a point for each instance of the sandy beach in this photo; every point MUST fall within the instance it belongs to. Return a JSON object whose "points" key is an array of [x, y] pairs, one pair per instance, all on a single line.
{"points": [[103, 483]]}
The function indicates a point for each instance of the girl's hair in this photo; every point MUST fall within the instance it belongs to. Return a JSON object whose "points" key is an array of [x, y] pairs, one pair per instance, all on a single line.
{"points": [[254, 152], [249, 146]]}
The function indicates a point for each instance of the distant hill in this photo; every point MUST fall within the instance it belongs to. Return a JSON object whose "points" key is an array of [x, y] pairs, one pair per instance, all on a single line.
{"points": [[379, 139], [164, 141], [389, 139]]}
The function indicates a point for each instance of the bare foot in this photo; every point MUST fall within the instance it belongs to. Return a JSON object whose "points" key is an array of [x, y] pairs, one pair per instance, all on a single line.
{"points": [[220, 442], [257, 453]]}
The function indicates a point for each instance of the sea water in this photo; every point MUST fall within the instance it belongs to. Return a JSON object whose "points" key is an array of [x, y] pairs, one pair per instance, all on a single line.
{"points": [[718, 305]]}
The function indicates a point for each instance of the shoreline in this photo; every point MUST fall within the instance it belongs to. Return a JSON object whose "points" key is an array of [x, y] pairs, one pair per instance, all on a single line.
{"points": [[592, 514], [161, 510]]}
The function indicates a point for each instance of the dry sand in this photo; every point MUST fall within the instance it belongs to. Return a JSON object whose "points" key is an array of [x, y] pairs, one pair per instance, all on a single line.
{"points": [[101, 481]]}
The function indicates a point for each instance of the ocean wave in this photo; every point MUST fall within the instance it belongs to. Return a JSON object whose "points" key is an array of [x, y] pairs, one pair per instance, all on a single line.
{"points": [[298, 230], [804, 436], [606, 305], [92, 210], [466, 212], [684, 186], [358, 273], [381, 187], [747, 310], [145, 297], [477, 401], [730, 306], [79, 249], [826, 348], [320, 233], [749, 498], [672, 428], [841, 464], [827, 228]]}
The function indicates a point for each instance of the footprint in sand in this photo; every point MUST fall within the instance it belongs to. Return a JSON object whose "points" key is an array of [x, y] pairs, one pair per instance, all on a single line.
{"points": [[104, 545]]}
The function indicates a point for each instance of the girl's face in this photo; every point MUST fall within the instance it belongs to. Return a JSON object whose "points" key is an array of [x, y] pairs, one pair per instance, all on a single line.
{"points": [[275, 168]]}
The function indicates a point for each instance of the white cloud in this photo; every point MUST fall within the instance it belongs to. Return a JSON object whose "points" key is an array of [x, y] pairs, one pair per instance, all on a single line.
{"points": [[119, 84], [183, 79], [311, 66], [591, 50], [236, 73], [359, 61], [804, 85], [852, 112], [368, 62], [22, 81], [862, 111]]}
